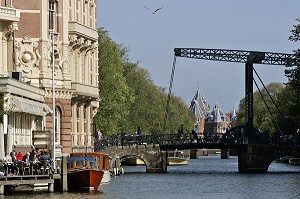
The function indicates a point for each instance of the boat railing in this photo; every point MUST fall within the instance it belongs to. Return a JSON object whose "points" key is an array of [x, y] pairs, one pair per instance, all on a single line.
{"points": [[81, 163]]}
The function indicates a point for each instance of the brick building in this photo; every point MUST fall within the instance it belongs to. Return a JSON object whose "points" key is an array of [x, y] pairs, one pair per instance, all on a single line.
{"points": [[66, 31]]}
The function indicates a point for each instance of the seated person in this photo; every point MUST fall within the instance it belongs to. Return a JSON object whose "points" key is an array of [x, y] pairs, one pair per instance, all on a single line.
{"points": [[19, 156], [27, 158], [45, 156], [10, 163]]}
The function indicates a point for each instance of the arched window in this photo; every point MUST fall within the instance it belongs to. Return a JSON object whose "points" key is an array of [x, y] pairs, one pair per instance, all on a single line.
{"points": [[57, 125]]}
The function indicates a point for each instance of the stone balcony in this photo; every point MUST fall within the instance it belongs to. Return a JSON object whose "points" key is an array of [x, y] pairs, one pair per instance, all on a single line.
{"points": [[9, 14]]}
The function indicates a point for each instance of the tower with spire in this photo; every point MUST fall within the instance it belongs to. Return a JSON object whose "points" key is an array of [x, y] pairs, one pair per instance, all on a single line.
{"points": [[200, 108], [209, 121]]}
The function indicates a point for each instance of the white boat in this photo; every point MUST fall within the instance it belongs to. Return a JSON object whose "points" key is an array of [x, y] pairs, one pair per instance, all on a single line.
{"points": [[294, 161], [106, 177], [176, 158]]}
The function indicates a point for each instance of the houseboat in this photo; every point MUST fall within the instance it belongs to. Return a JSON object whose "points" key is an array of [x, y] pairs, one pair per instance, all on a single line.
{"points": [[87, 170]]}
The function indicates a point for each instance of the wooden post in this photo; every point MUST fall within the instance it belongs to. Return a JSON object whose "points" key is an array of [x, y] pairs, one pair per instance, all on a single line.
{"points": [[224, 154], [193, 154], [164, 161], [63, 174], [50, 187], [1, 189]]}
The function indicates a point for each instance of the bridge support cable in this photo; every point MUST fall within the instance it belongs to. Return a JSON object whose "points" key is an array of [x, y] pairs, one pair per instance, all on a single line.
{"points": [[169, 94], [282, 116], [272, 116]]}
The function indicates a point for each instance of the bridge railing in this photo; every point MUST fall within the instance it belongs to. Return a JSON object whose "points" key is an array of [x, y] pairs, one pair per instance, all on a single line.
{"points": [[124, 139], [157, 138]]}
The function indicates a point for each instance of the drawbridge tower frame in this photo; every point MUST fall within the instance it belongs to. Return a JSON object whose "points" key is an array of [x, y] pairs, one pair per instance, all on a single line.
{"points": [[247, 57]]}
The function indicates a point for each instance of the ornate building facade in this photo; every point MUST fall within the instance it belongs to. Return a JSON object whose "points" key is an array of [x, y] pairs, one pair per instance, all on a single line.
{"points": [[66, 31], [208, 121]]}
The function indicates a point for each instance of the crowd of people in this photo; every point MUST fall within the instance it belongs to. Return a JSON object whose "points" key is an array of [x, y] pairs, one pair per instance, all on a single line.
{"points": [[32, 161]]}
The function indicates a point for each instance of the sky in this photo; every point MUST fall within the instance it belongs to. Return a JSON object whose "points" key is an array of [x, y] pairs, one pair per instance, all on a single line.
{"points": [[215, 24]]}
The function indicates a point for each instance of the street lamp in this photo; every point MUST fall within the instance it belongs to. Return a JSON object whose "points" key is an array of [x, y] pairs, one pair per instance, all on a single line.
{"points": [[53, 99]]}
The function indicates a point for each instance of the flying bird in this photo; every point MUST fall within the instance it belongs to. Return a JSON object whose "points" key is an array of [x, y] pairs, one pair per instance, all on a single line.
{"points": [[153, 12]]}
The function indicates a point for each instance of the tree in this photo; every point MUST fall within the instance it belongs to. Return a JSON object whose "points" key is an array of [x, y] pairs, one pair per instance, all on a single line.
{"points": [[265, 112], [115, 96], [128, 96], [293, 86]]}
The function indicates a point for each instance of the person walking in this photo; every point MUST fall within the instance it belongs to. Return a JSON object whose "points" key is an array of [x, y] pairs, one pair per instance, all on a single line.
{"points": [[180, 132], [139, 135], [195, 134]]}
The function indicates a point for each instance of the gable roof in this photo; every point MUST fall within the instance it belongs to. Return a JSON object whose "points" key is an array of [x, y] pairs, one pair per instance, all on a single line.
{"points": [[217, 115], [199, 105]]}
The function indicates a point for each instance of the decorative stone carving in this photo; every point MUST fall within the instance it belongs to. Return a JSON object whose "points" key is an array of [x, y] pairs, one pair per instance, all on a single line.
{"points": [[13, 27], [89, 139], [27, 56], [81, 143], [75, 140], [59, 94]]}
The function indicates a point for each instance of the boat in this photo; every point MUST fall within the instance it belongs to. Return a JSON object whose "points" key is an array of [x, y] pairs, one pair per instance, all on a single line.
{"points": [[86, 170], [285, 159], [176, 158], [294, 161]]}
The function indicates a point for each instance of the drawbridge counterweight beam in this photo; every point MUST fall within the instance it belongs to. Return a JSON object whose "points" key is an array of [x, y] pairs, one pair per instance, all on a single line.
{"points": [[236, 56]]}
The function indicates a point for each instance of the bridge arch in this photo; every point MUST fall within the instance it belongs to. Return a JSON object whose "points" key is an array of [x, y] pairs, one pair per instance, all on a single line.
{"points": [[154, 159]]}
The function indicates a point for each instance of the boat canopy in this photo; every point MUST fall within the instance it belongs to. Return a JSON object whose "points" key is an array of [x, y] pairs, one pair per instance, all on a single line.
{"points": [[78, 159]]}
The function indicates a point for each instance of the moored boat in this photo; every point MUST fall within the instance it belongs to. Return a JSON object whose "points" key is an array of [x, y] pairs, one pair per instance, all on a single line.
{"points": [[86, 170], [176, 158], [294, 161]]}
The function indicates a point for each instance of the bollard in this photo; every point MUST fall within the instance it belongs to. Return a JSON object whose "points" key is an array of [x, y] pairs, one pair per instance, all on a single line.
{"points": [[1, 189], [224, 154], [63, 174]]}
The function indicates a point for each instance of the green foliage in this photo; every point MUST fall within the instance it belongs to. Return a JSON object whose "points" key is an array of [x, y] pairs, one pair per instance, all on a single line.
{"points": [[287, 98], [179, 114], [262, 117], [293, 86], [290, 110], [129, 98], [115, 96]]}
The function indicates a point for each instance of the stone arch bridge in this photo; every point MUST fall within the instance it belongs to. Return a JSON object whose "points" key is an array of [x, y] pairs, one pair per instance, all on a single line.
{"points": [[152, 156], [251, 157]]}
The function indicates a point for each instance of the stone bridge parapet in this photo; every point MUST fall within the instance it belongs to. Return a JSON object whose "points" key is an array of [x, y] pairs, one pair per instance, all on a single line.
{"points": [[155, 160]]}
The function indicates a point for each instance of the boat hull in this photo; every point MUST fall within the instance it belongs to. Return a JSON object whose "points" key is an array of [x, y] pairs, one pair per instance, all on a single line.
{"points": [[88, 179], [173, 161]]}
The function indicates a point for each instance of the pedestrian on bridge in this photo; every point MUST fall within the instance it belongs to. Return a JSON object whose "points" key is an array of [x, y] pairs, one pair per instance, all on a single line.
{"points": [[195, 134], [138, 135], [180, 132]]}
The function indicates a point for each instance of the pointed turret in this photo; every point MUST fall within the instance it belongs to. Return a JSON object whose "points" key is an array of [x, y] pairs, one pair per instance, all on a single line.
{"points": [[199, 105], [217, 121], [200, 109]]}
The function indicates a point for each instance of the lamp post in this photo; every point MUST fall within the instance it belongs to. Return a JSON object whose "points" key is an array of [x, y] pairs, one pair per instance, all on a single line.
{"points": [[53, 100]]}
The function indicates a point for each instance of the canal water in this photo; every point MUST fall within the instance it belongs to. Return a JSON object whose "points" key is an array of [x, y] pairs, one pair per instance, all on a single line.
{"points": [[207, 177]]}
